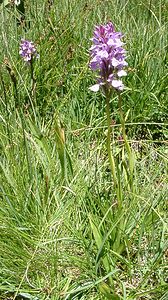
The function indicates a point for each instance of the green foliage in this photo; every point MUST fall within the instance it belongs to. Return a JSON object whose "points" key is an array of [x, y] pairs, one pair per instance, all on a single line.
{"points": [[62, 235]]}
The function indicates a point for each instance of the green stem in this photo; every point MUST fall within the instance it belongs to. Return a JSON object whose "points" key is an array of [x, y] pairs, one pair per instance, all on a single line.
{"points": [[33, 88], [32, 80], [130, 154], [123, 124], [110, 154], [20, 112]]}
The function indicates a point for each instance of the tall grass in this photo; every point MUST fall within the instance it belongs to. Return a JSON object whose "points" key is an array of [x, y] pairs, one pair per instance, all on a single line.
{"points": [[58, 212]]}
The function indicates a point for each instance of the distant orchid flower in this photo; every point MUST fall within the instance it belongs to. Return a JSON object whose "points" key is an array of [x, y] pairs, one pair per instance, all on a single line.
{"points": [[27, 50], [108, 57]]}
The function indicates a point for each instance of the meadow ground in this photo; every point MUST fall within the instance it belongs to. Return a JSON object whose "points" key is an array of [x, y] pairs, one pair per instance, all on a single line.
{"points": [[63, 233]]}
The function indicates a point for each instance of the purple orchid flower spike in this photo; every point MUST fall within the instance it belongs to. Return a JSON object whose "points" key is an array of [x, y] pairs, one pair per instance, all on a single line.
{"points": [[108, 57], [27, 50]]}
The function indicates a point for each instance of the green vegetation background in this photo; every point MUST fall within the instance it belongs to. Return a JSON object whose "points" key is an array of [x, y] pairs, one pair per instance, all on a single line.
{"points": [[56, 189]]}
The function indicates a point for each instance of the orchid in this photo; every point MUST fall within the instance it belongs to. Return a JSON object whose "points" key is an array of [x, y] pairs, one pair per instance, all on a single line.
{"points": [[108, 57], [27, 50]]}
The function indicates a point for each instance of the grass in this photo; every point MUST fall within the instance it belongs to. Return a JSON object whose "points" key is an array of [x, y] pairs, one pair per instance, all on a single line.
{"points": [[58, 214]]}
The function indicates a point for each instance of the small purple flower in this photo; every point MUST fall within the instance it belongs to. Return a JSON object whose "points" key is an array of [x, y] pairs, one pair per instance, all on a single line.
{"points": [[27, 50], [108, 57]]}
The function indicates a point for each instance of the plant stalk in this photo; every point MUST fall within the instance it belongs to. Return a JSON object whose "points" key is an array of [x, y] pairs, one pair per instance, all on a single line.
{"points": [[127, 146], [110, 154]]}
